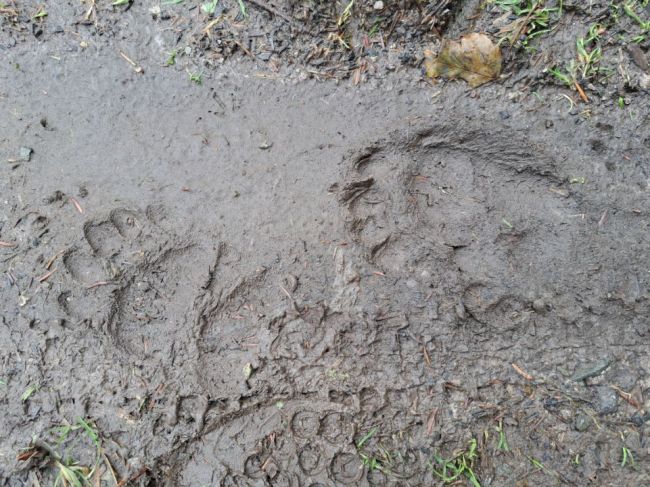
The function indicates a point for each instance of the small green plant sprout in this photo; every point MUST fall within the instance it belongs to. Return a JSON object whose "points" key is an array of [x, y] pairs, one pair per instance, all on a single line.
{"points": [[364, 439], [171, 59], [589, 51], [533, 19], [69, 472], [503, 442], [345, 15], [40, 14], [578, 180], [562, 76], [29, 392], [460, 466], [536, 463], [118, 3], [196, 78], [90, 431], [621, 102], [370, 461], [209, 8], [630, 11], [627, 458], [242, 8], [507, 224]]}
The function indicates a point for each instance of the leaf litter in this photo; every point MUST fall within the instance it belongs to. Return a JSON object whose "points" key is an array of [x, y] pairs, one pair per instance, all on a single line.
{"points": [[474, 58]]}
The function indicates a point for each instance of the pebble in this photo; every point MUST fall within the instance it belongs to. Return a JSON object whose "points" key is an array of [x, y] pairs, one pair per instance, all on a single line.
{"points": [[607, 400], [25, 154], [539, 306], [379, 5], [639, 419], [460, 311], [592, 371], [582, 422]]}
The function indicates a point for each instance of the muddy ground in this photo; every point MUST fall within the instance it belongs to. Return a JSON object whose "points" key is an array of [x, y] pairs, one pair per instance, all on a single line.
{"points": [[317, 274]]}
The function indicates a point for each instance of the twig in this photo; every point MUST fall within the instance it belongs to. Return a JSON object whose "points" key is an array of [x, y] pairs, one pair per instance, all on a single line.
{"points": [[426, 355], [100, 283], [51, 261], [522, 372], [626, 396], [47, 275], [76, 205], [136, 68], [243, 48], [581, 92]]}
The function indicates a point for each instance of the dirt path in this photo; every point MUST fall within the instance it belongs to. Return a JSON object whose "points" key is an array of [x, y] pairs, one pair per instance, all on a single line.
{"points": [[269, 280]]}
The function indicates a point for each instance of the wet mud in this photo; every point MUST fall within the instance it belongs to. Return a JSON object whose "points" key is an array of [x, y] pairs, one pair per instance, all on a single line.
{"points": [[261, 282]]}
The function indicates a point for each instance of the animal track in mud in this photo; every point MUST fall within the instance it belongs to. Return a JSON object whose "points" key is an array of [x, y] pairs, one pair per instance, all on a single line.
{"points": [[231, 325], [30, 229], [250, 323], [136, 281], [279, 444], [452, 208]]}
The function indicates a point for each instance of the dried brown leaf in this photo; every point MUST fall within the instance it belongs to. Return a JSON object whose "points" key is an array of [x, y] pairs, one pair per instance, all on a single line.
{"points": [[473, 58]]}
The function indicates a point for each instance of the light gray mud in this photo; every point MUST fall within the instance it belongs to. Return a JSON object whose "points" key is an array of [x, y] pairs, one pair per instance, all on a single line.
{"points": [[257, 282]]}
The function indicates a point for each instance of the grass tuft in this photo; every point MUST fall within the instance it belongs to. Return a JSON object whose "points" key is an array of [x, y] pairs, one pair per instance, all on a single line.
{"points": [[452, 470]]}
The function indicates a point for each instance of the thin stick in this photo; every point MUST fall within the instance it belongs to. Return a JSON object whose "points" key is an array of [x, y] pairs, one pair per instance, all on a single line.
{"points": [[581, 92], [522, 372], [46, 276], [77, 205]]}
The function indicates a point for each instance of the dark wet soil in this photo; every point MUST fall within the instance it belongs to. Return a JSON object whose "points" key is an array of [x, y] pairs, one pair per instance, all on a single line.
{"points": [[271, 279]]}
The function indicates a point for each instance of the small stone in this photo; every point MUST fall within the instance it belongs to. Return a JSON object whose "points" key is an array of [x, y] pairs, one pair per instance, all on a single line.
{"points": [[504, 115], [411, 283], [25, 154], [639, 419], [592, 370], [379, 5], [539, 306], [644, 81], [460, 311], [607, 400], [582, 422], [548, 124]]}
